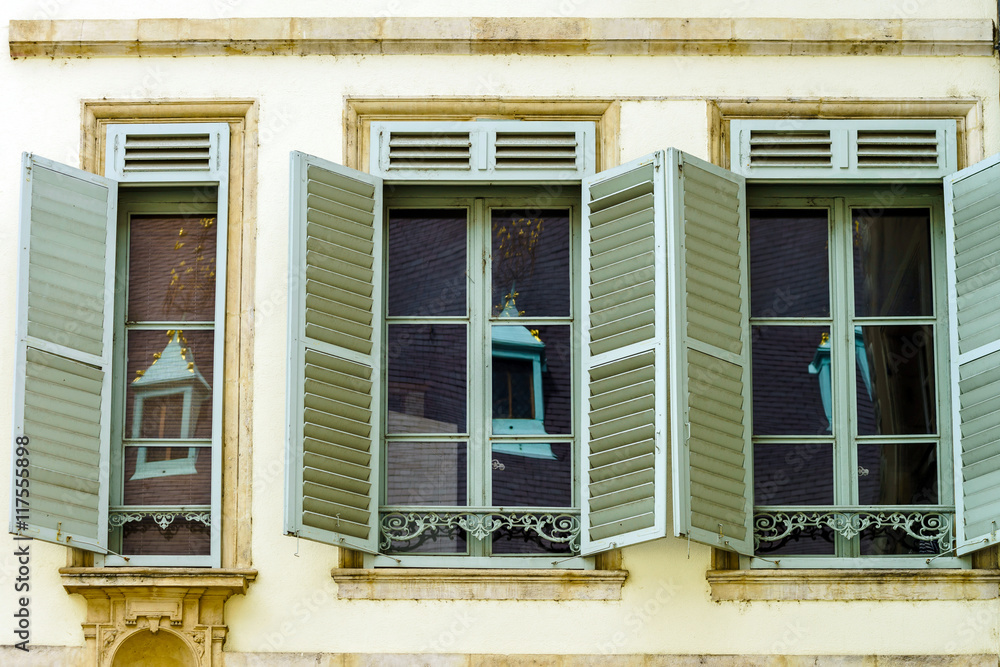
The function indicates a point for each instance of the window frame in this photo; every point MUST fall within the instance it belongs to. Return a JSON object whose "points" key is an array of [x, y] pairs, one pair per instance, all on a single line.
{"points": [[479, 199], [839, 199], [142, 199]]}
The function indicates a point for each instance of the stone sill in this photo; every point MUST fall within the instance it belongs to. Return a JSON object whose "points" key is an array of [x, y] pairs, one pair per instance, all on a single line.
{"points": [[100, 580], [477, 584], [746, 585], [499, 35]]}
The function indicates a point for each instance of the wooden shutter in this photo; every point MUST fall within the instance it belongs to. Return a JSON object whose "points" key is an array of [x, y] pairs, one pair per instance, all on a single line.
{"points": [[709, 354], [972, 213], [62, 384], [335, 314], [624, 402]]}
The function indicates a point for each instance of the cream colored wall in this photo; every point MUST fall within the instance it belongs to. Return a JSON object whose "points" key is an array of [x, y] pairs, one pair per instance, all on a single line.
{"points": [[665, 605], [80, 9]]}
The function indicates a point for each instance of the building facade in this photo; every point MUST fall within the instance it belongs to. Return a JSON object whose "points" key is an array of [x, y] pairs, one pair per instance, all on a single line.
{"points": [[642, 334]]}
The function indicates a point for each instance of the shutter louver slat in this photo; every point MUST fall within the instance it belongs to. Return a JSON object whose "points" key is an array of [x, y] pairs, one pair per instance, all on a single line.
{"points": [[334, 327], [973, 232], [150, 152], [557, 150], [790, 149], [62, 397]]}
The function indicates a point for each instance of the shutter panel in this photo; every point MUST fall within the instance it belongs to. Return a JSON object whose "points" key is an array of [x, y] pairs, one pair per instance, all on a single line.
{"points": [[709, 354], [972, 213], [168, 153], [335, 315], [864, 149], [623, 444], [62, 386], [483, 150]]}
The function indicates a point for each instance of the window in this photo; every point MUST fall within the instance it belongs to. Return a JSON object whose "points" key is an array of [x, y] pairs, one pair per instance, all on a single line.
{"points": [[872, 331], [167, 342], [117, 400], [849, 367], [479, 446], [449, 424]]}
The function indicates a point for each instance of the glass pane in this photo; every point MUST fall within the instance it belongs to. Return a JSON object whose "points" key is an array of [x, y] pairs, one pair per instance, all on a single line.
{"points": [[169, 390], [168, 476], [885, 541], [789, 271], [531, 251], [892, 262], [180, 538], [791, 380], [427, 383], [532, 379], [426, 266], [426, 473], [897, 474], [171, 268], [532, 474], [895, 380], [423, 534], [809, 541], [799, 474]]}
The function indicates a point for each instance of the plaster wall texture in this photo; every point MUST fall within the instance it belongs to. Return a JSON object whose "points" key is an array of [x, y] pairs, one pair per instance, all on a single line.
{"points": [[665, 606], [78, 9]]}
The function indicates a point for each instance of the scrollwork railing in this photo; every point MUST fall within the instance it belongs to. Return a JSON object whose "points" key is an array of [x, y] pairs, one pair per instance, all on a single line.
{"points": [[555, 527], [933, 528], [162, 518]]}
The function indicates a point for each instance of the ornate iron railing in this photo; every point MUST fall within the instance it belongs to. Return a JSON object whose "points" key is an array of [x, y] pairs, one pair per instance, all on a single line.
{"points": [[402, 526], [932, 527]]}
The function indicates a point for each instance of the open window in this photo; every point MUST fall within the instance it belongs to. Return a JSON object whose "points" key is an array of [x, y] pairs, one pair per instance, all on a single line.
{"points": [[119, 296]]}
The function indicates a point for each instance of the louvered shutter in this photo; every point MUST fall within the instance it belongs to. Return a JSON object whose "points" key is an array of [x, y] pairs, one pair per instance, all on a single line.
{"points": [[972, 205], [335, 313], [62, 383], [861, 149], [624, 448], [483, 150], [168, 153], [709, 354]]}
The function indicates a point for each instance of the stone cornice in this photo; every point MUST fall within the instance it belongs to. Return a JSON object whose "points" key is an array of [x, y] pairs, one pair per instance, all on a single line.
{"points": [[499, 36], [223, 581]]}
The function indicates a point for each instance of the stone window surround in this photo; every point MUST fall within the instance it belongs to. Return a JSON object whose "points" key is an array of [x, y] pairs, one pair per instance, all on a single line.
{"points": [[726, 580], [187, 602]]}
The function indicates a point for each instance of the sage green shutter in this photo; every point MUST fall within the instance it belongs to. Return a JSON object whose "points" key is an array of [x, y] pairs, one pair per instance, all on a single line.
{"points": [[335, 314], [709, 354], [972, 205], [624, 402], [62, 383]]}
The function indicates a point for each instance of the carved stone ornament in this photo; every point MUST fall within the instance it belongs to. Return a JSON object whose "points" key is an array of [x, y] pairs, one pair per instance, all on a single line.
{"points": [[135, 612]]}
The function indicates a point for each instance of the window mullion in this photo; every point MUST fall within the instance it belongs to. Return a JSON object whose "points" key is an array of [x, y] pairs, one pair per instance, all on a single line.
{"points": [[842, 336], [478, 358]]}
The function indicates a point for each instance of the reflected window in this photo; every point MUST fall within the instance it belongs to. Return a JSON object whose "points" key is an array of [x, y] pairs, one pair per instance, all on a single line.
{"points": [[845, 359], [484, 285]]}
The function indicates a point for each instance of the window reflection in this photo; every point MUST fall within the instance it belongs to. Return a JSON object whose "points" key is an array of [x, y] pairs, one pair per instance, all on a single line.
{"points": [[789, 265], [427, 378], [531, 262], [791, 380], [895, 380], [892, 263]]}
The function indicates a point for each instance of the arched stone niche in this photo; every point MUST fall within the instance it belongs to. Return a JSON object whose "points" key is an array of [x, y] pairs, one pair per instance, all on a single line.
{"points": [[146, 649]]}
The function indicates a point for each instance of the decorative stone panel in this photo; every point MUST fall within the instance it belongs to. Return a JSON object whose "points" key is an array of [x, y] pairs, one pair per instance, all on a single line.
{"points": [[170, 612]]}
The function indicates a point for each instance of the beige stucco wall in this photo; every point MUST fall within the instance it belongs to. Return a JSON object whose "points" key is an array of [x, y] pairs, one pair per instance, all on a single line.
{"points": [[665, 606]]}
